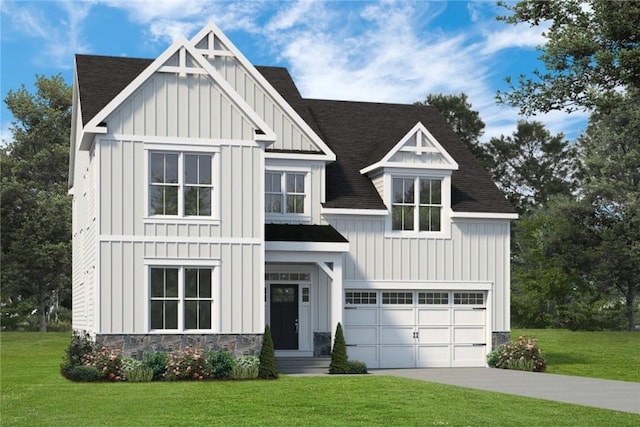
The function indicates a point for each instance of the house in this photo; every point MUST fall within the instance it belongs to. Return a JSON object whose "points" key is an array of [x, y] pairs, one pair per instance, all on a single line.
{"points": [[210, 199]]}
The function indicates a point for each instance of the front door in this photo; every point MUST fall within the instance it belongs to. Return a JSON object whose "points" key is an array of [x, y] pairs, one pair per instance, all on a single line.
{"points": [[284, 316]]}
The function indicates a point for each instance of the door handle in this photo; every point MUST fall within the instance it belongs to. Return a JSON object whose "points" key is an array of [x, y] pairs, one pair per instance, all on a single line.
{"points": [[297, 326]]}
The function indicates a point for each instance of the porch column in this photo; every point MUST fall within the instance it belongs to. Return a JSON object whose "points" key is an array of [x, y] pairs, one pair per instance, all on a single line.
{"points": [[336, 295]]}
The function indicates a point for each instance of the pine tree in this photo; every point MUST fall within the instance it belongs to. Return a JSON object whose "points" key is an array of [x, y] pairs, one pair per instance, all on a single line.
{"points": [[268, 369], [339, 360]]}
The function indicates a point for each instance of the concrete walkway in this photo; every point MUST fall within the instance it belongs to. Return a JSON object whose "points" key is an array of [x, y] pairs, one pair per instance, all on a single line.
{"points": [[607, 394]]}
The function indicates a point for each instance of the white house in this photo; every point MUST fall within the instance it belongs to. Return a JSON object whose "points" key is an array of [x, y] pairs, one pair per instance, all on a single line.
{"points": [[210, 199]]}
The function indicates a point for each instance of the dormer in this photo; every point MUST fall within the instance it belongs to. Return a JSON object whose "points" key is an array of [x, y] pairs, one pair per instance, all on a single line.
{"points": [[414, 181]]}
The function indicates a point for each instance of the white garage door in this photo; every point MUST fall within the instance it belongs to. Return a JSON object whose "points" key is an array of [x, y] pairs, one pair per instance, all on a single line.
{"points": [[406, 329]]}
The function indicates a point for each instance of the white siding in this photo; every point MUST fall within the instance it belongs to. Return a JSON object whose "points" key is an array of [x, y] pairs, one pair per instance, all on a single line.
{"points": [[290, 135], [478, 251]]}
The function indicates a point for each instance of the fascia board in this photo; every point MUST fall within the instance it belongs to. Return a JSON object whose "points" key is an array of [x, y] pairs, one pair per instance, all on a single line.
{"points": [[307, 246], [211, 27], [483, 215]]}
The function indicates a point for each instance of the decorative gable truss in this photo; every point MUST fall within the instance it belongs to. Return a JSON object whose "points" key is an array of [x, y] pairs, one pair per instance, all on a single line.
{"points": [[294, 134], [417, 149]]}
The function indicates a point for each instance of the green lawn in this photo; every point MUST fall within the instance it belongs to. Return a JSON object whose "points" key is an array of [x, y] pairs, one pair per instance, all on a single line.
{"points": [[610, 355], [34, 393]]}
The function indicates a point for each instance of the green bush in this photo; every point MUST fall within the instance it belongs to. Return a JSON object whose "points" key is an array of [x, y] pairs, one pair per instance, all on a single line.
{"points": [[83, 373], [139, 374], [128, 365], [221, 363], [107, 361], [357, 367], [157, 361], [187, 364], [246, 368], [523, 354], [339, 360], [268, 368], [79, 347]]}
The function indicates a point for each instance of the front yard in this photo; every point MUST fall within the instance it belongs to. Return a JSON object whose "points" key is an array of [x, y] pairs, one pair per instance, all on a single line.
{"points": [[34, 393]]}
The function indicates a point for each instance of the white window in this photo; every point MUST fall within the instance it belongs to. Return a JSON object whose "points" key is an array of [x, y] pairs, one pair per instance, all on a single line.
{"points": [[180, 184], [181, 298], [285, 192], [416, 204]]}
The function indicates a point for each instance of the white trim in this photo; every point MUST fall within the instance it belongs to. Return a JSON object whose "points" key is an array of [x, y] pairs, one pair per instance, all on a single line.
{"points": [[163, 141], [169, 239], [97, 199], [348, 211], [307, 246], [182, 45], [212, 28], [325, 268], [484, 215], [297, 156], [178, 262], [453, 285], [418, 130]]}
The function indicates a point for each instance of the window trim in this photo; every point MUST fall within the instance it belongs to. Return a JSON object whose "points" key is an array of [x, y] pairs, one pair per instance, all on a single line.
{"points": [[284, 171], [181, 265], [212, 151], [445, 200]]}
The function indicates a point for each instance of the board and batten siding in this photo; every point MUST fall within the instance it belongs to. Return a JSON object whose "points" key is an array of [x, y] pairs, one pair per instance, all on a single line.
{"points": [[172, 109], [478, 251], [291, 137]]}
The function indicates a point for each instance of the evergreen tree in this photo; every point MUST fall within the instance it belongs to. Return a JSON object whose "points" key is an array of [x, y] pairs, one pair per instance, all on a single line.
{"points": [[267, 369], [339, 361]]}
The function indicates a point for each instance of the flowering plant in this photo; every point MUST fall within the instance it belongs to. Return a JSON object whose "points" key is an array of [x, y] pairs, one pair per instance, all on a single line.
{"points": [[523, 355], [107, 361], [188, 364]]}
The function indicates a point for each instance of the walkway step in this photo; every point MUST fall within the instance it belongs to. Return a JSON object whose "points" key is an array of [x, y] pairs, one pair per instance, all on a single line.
{"points": [[303, 365]]}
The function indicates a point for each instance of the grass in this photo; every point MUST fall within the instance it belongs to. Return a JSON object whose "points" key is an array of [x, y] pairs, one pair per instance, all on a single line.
{"points": [[609, 355], [34, 393]]}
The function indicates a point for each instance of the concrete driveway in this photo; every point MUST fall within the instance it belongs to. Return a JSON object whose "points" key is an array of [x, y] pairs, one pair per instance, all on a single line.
{"points": [[607, 394]]}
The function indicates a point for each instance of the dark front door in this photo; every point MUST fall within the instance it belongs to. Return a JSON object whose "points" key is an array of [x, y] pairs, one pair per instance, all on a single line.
{"points": [[284, 316]]}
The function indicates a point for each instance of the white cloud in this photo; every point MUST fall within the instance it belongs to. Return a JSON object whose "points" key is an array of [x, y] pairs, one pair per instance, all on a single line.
{"points": [[59, 39], [514, 36]]}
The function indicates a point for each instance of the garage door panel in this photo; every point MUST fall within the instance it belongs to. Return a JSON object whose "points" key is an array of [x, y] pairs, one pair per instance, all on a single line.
{"points": [[469, 355], [361, 335], [441, 335], [361, 316], [434, 356], [396, 335], [471, 335], [434, 316], [468, 316], [397, 356], [397, 316], [366, 354]]}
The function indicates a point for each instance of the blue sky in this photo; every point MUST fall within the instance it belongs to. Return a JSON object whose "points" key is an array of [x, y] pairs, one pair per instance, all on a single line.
{"points": [[379, 51]]}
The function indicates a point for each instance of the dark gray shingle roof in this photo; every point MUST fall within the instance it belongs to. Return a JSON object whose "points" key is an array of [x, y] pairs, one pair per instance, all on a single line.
{"points": [[359, 133], [302, 233]]}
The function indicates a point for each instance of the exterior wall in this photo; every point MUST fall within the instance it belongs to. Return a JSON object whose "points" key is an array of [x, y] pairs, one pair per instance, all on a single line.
{"points": [[166, 115], [478, 251], [290, 135]]}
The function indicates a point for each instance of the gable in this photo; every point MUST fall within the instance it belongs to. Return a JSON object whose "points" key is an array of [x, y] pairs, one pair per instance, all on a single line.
{"points": [[417, 149], [294, 133]]}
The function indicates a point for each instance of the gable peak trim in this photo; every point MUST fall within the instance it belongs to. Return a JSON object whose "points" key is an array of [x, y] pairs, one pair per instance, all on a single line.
{"points": [[425, 143]]}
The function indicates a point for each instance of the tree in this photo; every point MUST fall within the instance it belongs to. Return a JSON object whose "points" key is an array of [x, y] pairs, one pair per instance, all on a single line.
{"points": [[464, 121], [339, 359], [592, 51], [267, 369], [35, 208], [533, 165]]}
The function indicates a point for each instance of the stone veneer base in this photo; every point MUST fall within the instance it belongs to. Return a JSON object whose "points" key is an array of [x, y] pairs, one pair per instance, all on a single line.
{"points": [[134, 345], [499, 338], [321, 344]]}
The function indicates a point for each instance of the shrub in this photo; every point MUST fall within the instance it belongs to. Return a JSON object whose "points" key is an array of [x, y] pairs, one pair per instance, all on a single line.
{"points": [[83, 373], [339, 361], [79, 347], [246, 368], [187, 364], [523, 354], [128, 364], [107, 361], [268, 368], [157, 362], [357, 367], [139, 374], [221, 363]]}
